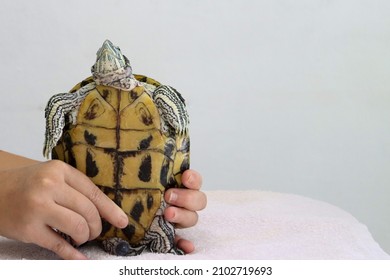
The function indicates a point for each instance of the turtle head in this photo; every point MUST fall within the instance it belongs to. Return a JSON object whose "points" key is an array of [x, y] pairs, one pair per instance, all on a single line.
{"points": [[111, 66]]}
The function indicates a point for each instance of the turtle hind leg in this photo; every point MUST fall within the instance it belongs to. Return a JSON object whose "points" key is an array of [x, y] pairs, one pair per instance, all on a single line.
{"points": [[161, 237], [119, 247]]}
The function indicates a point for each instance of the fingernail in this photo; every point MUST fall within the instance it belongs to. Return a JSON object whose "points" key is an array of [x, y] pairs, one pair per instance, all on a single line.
{"points": [[123, 221], [190, 179], [172, 197]]}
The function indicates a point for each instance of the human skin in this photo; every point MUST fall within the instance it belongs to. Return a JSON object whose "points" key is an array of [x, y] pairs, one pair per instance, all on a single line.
{"points": [[36, 197]]}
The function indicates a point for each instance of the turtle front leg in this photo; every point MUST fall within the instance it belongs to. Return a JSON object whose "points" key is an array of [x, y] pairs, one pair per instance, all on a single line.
{"points": [[58, 107], [161, 235], [119, 247]]}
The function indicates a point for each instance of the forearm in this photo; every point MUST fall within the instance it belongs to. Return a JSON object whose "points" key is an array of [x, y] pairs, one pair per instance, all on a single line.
{"points": [[8, 161]]}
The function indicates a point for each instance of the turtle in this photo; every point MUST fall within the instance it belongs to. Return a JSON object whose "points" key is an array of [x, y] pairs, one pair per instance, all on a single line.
{"points": [[129, 134]]}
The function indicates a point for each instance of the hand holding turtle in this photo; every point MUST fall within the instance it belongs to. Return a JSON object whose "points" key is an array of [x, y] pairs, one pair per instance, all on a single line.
{"points": [[40, 197], [184, 204], [32, 203]]}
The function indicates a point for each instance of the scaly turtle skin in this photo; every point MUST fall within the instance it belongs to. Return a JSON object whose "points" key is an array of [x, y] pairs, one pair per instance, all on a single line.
{"points": [[129, 134]]}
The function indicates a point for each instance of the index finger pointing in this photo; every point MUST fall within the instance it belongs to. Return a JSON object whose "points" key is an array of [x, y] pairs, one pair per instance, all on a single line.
{"points": [[106, 207]]}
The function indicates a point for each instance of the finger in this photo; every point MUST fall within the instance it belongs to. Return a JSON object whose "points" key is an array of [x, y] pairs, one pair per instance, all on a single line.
{"points": [[78, 203], [183, 218], [193, 200], [192, 179], [54, 242], [106, 207], [70, 223], [184, 244]]}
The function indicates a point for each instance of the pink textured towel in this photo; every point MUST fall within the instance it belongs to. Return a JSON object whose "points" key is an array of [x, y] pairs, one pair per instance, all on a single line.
{"points": [[253, 225]]}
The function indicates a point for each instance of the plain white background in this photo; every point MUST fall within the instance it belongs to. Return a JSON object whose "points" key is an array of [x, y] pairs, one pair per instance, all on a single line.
{"points": [[287, 96]]}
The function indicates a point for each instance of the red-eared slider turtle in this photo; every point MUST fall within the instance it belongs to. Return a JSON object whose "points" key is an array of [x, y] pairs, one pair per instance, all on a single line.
{"points": [[129, 134]]}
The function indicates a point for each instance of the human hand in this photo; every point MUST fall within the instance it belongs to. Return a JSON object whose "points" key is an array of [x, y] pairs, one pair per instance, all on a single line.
{"points": [[184, 204], [35, 199]]}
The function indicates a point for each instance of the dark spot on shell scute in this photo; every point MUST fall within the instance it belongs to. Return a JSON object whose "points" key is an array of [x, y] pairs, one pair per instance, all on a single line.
{"points": [[68, 147], [147, 120], [94, 110], [105, 93], [145, 143], [91, 168], [84, 83], [184, 165], [89, 137], [137, 211], [149, 201], [105, 227], [133, 95], [145, 115], [143, 79], [169, 149], [145, 170], [164, 173], [129, 231], [90, 114]]}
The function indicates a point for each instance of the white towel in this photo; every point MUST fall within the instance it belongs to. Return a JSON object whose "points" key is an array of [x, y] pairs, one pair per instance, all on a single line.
{"points": [[253, 225]]}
